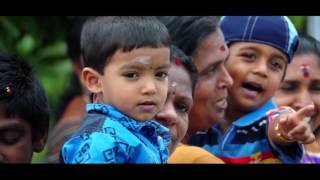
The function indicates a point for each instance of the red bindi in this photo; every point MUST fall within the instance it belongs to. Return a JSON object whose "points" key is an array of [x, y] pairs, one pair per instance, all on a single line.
{"points": [[305, 70], [177, 61]]}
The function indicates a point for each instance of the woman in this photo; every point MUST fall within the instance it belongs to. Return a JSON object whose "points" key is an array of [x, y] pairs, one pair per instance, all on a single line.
{"points": [[301, 86], [201, 38]]}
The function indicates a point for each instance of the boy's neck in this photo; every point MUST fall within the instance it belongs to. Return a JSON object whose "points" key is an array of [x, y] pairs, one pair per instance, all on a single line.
{"points": [[233, 113]]}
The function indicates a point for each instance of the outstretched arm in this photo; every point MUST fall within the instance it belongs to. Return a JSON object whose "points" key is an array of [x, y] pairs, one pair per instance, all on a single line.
{"points": [[290, 127]]}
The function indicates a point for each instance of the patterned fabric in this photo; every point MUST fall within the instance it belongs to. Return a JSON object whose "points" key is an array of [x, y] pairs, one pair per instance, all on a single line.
{"points": [[108, 136], [246, 140], [58, 136]]}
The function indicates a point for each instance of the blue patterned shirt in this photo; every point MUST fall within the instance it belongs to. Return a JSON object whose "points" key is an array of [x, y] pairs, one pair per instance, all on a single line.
{"points": [[108, 136]]}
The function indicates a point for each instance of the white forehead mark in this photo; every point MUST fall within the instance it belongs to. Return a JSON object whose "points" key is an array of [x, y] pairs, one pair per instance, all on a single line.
{"points": [[142, 59], [173, 84], [173, 87]]}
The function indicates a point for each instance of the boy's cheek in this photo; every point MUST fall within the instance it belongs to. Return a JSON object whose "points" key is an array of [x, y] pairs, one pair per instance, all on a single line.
{"points": [[163, 92]]}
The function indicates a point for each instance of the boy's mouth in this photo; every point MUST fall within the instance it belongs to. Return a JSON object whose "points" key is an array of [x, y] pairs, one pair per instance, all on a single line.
{"points": [[252, 89], [147, 106], [147, 103]]}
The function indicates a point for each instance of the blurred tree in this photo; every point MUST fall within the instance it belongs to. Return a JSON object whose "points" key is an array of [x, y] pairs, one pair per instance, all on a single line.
{"points": [[41, 41], [299, 22]]}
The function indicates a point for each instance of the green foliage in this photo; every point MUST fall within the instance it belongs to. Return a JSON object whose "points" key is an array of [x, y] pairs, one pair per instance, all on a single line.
{"points": [[41, 41], [299, 22]]}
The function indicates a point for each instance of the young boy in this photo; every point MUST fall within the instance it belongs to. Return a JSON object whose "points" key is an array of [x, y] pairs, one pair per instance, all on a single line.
{"points": [[24, 114], [254, 129], [126, 63]]}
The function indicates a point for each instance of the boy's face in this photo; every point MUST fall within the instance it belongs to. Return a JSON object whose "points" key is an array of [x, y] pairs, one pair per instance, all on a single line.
{"points": [[15, 140], [257, 70], [211, 91], [301, 85], [136, 82], [174, 114]]}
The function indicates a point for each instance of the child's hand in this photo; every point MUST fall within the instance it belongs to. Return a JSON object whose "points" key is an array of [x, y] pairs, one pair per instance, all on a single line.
{"points": [[295, 127]]}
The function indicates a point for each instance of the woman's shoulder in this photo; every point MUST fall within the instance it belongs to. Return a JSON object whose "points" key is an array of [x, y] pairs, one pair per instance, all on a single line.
{"points": [[193, 155]]}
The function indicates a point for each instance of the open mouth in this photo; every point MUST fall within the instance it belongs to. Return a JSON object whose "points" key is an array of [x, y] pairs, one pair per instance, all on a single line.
{"points": [[253, 87]]}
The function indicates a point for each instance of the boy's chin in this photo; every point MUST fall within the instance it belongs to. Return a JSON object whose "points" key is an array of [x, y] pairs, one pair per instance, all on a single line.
{"points": [[143, 117], [249, 105]]}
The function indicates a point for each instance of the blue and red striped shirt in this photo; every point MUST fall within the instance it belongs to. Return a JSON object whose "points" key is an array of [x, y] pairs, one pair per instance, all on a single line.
{"points": [[246, 140]]}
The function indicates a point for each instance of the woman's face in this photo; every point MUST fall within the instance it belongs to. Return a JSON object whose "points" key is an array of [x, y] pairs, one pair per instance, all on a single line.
{"points": [[174, 114], [301, 85], [210, 98]]}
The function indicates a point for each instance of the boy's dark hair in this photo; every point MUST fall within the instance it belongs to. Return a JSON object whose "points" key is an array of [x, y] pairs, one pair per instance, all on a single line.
{"points": [[308, 44], [101, 37], [178, 55], [187, 32], [22, 94]]}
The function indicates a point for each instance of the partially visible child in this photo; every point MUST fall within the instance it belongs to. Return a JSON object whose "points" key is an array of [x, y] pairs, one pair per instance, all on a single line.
{"points": [[24, 114], [183, 77], [301, 86], [255, 130], [126, 63]]}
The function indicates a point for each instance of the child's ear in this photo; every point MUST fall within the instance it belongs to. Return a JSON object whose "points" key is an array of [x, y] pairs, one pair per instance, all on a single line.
{"points": [[92, 80], [39, 142]]}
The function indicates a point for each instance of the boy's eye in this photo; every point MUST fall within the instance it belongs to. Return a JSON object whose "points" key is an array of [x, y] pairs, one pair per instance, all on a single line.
{"points": [[276, 64], [162, 75], [248, 55], [131, 75], [10, 137]]}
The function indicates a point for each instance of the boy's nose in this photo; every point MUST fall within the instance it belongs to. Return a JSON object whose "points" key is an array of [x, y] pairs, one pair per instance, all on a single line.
{"points": [[261, 68], [149, 88]]}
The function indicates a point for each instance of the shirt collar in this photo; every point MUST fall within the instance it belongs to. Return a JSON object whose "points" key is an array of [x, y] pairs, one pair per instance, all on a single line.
{"points": [[256, 115], [129, 123]]}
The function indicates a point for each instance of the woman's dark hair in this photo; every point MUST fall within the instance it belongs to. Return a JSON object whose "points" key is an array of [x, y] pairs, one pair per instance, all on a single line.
{"points": [[187, 32], [308, 45], [178, 55]]}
